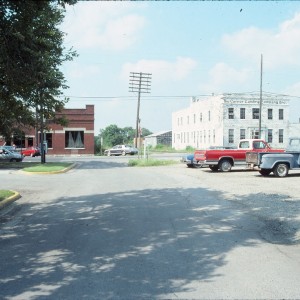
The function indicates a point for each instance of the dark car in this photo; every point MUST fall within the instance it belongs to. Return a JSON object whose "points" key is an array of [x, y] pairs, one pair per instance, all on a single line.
{"points": [[31, 151], [121, 150]]}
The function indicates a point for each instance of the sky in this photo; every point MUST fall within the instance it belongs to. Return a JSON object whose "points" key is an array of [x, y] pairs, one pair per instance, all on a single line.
{"points": [[191, 48]]}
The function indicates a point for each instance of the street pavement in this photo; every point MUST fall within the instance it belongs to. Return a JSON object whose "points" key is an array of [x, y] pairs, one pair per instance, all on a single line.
{"points": [[104, 230]]}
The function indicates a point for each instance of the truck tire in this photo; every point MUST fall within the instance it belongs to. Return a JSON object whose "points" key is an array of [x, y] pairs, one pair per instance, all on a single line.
{"points": [[213, 168], [281, 170], [265, 172], [225, 165]]}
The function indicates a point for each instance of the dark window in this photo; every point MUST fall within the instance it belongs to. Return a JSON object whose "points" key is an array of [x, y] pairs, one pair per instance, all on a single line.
{"points": [[280, 136], [30, 142], [280, 114], [270, 135], [231, 113], [255, 113], [242, 134], [74, 139], [49, 140], [270, 114], [242, 113], [209, 115], [231, 135]]}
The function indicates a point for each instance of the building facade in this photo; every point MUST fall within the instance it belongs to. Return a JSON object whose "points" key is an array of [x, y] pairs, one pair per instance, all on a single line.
{"points": [[159, 138], [76, 138], [223, 120]]}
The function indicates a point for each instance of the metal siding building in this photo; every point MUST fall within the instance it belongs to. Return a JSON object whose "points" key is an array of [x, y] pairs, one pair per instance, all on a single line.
{"points": [[223, 120]]}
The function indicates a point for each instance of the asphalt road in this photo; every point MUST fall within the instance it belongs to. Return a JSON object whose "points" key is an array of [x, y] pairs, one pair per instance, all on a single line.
{"points": [[107, 231]]}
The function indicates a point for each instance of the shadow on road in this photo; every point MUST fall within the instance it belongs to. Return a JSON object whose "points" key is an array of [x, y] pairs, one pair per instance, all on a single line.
{"points": [[182, 239]]}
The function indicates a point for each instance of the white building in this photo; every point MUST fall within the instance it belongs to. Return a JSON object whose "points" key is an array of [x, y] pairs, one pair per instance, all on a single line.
{"points": [[223, 120]]}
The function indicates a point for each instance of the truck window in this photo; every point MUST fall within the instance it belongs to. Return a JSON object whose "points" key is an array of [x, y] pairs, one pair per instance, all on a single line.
{"points": [[259, 145], [244, 145]]}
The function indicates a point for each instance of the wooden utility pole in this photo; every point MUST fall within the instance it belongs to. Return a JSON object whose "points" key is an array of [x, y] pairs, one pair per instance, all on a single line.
{"points": [[140, 83], [260, 97]]}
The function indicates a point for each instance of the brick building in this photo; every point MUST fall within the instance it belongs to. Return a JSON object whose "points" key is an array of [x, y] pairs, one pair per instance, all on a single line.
{"points": [[75, 138]]}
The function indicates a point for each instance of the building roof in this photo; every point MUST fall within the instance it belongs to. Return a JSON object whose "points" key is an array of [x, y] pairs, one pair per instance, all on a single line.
{"points": [[157, 133]]}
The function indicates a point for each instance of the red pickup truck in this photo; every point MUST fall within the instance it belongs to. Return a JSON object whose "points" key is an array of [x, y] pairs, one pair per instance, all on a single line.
{"points": [[225, 159]]}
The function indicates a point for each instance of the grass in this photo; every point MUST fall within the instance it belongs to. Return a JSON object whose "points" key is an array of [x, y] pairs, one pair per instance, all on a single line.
{"points": [[5, 194], [47, 167], [36, 166], [150, 162]]}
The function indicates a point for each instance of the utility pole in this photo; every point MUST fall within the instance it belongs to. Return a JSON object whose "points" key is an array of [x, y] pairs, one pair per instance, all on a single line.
{"points": [[260, 97], [140, 83]]}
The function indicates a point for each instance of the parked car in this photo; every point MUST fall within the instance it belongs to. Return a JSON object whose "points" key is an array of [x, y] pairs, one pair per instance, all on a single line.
{"points": [[31, 151], [121, 150], [11, 156]]}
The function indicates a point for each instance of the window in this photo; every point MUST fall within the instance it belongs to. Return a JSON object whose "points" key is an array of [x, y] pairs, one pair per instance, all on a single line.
{"points": [[255, 113], [214, 136], [242, 134], [259, 145], [194, 118], [242, 113], [231, 135], [280, 136], [209, 115], [30, 142], [200, 117], [270, 135], [254, 134], [74, 139], [280, 114], [270, 113], [49, 140], [230, 113]]}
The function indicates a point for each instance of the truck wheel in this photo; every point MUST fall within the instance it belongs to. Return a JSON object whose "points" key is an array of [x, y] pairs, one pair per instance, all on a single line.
{"points": [[265, 172], [281, 170], [213, 168], [225, 165]]}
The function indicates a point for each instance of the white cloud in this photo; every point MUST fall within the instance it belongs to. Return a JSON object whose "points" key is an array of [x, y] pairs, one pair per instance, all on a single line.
{"points": [[162, 70], [83, 71], [223, 77], [103, 25], [280, 47]]}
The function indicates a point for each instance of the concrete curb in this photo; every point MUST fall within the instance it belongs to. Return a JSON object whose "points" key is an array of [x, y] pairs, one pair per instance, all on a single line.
{"points": [[10, 199]]}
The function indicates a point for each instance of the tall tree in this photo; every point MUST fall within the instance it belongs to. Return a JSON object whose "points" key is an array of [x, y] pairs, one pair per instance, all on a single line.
{"points": [[31, 53]]}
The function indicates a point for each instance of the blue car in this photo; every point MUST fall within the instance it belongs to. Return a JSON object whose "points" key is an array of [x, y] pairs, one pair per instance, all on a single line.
{"points": [[189, 161]]}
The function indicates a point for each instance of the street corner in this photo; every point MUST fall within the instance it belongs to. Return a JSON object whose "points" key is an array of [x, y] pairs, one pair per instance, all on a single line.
{"points": [[10, 199]]}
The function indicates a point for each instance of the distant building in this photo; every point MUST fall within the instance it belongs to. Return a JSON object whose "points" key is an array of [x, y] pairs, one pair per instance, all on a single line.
{"points": [[159, 138], [223, 120], [75, 138]]}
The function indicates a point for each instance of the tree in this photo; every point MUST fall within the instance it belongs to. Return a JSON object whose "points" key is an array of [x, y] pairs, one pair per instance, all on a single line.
{"points": [[113, 135], [31, 53]]}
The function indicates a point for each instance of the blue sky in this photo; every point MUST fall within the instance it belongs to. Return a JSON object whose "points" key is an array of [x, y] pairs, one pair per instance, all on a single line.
{"points": [[191, 48]]}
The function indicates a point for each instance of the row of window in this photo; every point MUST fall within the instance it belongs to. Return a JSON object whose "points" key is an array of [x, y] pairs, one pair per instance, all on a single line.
{"points": [[231, 115], [73, 139], [255, 113], [209, 136]]}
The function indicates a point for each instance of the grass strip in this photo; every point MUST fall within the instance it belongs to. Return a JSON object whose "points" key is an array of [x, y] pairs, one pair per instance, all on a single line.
{"points": [[5, 194], [47, 167], [150, 162]]}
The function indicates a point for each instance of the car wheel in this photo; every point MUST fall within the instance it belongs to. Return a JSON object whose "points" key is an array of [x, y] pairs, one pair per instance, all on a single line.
{"points": [[264, 172], [214, 168], [13, 160], [225, 165], [123, 153], [32, 155], [108, 153], [281, 170], [190, 165]]}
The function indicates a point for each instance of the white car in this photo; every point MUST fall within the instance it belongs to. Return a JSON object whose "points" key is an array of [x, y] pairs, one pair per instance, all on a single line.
{"points": [[121, 150]]}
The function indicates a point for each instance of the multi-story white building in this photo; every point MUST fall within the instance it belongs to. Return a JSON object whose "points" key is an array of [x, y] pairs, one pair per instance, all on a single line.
{"points": [[223, 120]]}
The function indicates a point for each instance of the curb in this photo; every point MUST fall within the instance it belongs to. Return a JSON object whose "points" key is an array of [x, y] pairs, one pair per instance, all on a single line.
{"points": [[10, 199]]}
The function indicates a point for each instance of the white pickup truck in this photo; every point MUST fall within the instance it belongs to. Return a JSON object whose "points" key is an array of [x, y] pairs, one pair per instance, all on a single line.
{"points": [[277, 162]]}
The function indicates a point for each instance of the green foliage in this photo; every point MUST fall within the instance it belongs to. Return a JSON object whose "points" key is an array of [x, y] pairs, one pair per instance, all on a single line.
{"points": [[114, 135], [150, 162], [31, 54], [5, 194], [190, 149]]}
